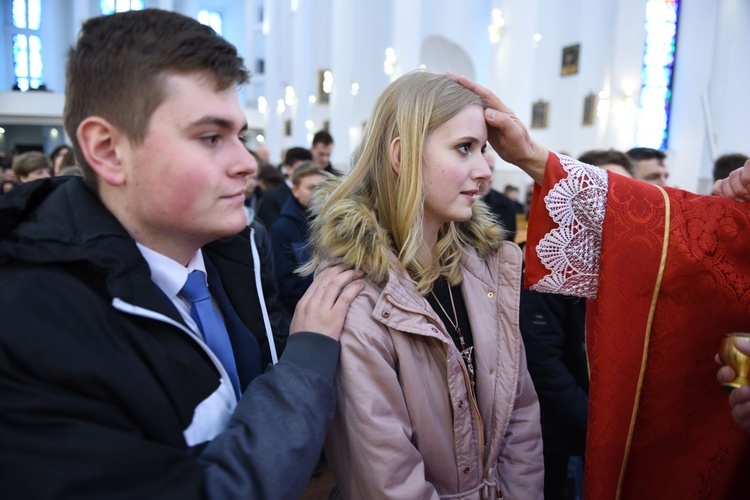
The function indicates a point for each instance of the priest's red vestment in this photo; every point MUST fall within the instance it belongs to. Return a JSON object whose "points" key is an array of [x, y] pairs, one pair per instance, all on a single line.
{"points": [[668, 275]]}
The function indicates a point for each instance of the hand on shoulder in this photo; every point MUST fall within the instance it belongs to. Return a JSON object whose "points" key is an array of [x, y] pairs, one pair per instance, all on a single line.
{"points": [[323, 307]]}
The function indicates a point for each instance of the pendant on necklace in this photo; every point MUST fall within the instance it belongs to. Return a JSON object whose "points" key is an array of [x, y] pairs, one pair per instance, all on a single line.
{"points": [[466, 353]]}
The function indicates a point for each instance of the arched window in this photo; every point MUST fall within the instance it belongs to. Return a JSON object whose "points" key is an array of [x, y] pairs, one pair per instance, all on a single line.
{"points": [[654, 108], [27, 44], [108, 7]]}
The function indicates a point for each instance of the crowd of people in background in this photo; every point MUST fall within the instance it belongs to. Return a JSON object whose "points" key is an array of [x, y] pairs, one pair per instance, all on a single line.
{"points": [[639, 163], [32, 165]]}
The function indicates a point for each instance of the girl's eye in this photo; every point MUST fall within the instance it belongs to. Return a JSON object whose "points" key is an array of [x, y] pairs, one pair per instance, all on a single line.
{"points": [[464, 148], [244, 140], [211, 139]]}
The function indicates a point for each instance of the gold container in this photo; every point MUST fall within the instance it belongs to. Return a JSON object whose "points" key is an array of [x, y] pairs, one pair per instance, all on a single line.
{"points": [[739, 362]]}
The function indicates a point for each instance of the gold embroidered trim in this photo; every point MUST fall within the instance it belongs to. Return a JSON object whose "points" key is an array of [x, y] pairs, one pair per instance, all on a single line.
{"points": [[657, 288]]}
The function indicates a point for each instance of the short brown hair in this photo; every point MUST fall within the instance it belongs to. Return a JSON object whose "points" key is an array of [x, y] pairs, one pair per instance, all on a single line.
{"points": [[269, 176], [26, 163], [599, 157], [726, 164], [293, 155], [118, 66], [305, 169], [323, 137], [639, 154]]}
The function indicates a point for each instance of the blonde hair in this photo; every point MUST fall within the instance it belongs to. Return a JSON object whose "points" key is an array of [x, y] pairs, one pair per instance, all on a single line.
{"points": [[393, 204]]}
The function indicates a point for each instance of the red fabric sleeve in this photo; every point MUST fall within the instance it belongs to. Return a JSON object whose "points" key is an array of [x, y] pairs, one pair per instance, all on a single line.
{"points": [[540, 223]]}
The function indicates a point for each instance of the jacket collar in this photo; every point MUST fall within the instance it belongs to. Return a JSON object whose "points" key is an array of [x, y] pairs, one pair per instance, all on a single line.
{"points": [[401, 307], [399, 293], [60, 221]]}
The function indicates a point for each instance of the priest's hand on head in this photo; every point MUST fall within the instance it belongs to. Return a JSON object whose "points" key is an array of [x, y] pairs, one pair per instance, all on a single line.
{"points": [[323, 307], [507, 134]]}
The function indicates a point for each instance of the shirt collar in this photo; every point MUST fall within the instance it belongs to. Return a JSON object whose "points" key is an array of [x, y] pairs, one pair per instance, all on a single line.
{"points": [[168, 274]]}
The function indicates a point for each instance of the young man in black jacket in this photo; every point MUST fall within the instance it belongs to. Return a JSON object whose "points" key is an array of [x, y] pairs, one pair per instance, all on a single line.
{"points": [[109, 382]]}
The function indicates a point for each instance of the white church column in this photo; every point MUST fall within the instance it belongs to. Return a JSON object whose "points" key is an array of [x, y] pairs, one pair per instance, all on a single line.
{"points": [[341, 102], [303, 74], [728, 101], [694, 84], [273, 75], [514, 50], [407, 35]]}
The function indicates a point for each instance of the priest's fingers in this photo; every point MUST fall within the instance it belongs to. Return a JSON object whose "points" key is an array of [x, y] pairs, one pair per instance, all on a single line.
{"points": [[744, 176], [740, 401], [489, 97], [737, 184], [741, 415], [716, 191], [742, 345], [511, 140], [725, 374], [323, 307]]}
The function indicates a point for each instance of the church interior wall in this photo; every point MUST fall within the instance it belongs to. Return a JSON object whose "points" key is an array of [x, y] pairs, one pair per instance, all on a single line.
{"points": [[302, 37]]}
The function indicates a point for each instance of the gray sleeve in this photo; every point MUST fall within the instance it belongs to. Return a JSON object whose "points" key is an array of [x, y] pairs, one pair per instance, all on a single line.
{"points": [[276, 434]]}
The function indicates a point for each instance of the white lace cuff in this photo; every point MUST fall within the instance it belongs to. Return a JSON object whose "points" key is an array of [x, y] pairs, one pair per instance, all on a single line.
{"points": [[572, 251]]}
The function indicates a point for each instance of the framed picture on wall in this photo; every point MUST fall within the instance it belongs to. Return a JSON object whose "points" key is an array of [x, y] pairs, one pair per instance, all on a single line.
{"points": [[539, 111], [589, 109], [570, 60], [323, 86]]}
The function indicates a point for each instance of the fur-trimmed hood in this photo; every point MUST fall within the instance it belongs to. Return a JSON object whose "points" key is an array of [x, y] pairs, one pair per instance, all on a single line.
{"points": [[350, 232]]}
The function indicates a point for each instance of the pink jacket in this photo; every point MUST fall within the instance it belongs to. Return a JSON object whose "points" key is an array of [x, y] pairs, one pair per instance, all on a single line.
{"points": [[406, 425]]}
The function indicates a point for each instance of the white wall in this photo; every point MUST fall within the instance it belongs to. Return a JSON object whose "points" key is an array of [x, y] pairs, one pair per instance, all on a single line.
{"points": [[688, 150], [728, 102]]}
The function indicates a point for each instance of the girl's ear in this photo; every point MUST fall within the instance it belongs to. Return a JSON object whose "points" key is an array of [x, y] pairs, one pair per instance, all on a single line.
{"points": [[395, 154]]}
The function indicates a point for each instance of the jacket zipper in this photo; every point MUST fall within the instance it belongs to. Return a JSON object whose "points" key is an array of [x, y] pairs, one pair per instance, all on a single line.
{"points": [[467, 382], [142, 312]]}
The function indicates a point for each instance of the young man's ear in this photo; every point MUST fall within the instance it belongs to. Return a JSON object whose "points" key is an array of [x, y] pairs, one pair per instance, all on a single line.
{"points": [[395, 155], [100, 143]]}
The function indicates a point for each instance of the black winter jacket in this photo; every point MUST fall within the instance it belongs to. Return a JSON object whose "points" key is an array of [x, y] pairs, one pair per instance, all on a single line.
{"points": [[553, 330], [99, 376]]}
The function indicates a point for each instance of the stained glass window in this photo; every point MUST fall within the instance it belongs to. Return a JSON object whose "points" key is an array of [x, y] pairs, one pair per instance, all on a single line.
{"points": [[210, 18], [27, 45], [652, 128], [108, 7]]}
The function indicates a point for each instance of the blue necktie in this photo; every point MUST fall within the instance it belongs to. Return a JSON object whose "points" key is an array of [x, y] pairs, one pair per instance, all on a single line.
{"points": [[210, 323]]}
